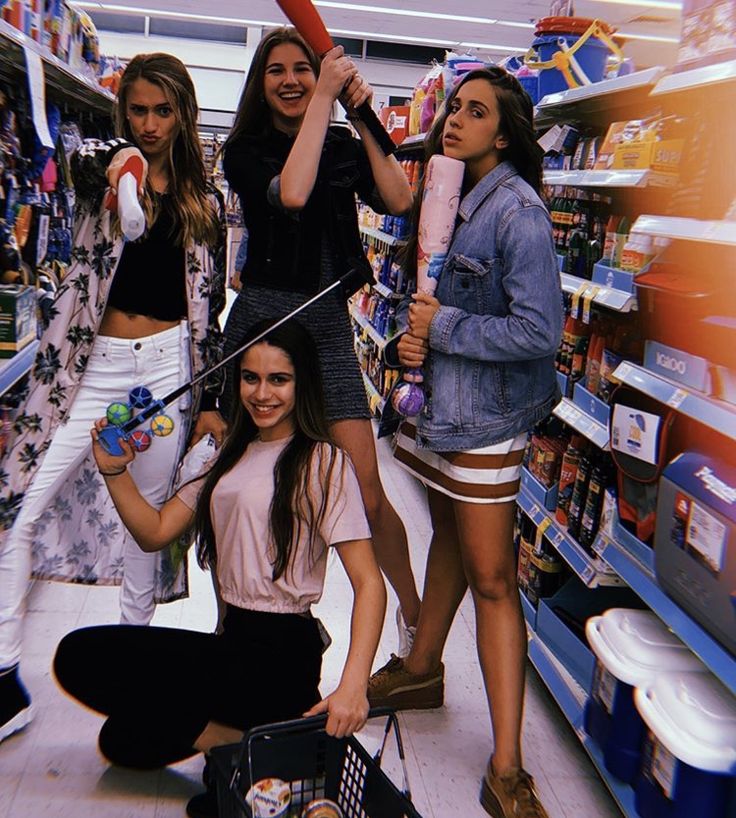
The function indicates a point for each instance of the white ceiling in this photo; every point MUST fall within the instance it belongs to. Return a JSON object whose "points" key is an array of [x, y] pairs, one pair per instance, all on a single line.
{"points": [[375, 22]]}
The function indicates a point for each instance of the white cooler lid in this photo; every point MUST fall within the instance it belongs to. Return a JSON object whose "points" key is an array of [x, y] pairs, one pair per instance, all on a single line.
{"points": [[635, 645], [694, 716]]}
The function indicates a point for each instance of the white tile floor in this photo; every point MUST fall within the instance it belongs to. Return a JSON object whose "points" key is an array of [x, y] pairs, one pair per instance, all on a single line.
{"points": [[53, 768]]}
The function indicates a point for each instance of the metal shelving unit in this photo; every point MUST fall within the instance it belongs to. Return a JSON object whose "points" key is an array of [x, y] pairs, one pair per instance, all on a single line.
{"points": [[375, 398], [601, 98], [590, 570], [371, 331], [61, 78], [379, 236], [583, 423], [673, 227], [617, 300], [607, 178], [697, 79], [715, 414]]}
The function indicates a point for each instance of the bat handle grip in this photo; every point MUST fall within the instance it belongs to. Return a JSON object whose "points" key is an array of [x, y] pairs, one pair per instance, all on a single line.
{"points": [[108, 439], [379, 133]]}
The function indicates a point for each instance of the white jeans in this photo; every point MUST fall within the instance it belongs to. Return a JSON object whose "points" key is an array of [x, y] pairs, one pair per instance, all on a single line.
{"points": [[160, 362]]}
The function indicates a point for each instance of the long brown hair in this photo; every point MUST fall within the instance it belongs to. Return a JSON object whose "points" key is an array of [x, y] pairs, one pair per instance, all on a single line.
{"points": [[516, 112], [253, 116], [294, 506], [194, 213]]}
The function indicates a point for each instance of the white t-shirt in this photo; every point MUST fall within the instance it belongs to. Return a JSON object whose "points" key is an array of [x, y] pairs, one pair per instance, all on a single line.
{"points": [[240, 508]]}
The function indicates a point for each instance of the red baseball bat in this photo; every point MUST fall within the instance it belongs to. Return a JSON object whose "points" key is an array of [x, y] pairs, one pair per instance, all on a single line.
{"points": [[309, 24]]}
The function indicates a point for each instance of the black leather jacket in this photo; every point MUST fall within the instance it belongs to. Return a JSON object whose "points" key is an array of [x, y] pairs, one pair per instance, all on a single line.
{"points": [[284, 247]]}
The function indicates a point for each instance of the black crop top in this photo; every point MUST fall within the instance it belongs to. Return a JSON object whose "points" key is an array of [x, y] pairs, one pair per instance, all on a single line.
{"points": [[149, 279]]}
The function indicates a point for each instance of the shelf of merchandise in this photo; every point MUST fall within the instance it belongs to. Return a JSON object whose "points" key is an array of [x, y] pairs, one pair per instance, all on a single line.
{"points": [[628, 557], [13, 369], [571, 699], [673, 227], [713, 413], [375, 399], [381, 237], [582, 423], [607, 178], [619, 93], [59, 76], [591, 571], [617, 300], [370, 330], [384, 291], [696, 79]]}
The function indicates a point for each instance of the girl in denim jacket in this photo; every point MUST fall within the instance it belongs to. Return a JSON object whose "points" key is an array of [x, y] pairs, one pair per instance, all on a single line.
{"points": [[487, 342]]}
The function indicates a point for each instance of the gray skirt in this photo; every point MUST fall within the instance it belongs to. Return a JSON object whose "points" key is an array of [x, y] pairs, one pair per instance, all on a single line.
{"points": [[329, 324]]}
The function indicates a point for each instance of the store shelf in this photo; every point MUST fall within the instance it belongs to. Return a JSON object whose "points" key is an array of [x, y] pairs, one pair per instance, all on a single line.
{"points": [[570, 697], [381, 237], [371, 331], [599, 98], [590, 571], [617, 300], [375, 398], [697, 79], [607, 178], [673, 227], [13, 369], [713, 413], [583, 423], [384, 291], [60, 77], [627, 563]]}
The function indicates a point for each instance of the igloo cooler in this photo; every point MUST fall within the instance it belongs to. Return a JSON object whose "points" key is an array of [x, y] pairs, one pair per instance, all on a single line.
{"points": [[630, 647], [695, 541], [688, 765]]}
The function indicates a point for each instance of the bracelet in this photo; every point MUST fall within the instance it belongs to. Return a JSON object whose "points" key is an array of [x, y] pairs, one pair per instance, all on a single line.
{"points": [[112, 473]]}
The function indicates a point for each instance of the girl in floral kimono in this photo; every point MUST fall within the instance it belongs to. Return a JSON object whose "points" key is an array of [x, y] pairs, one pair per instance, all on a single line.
{"points": [[126, 314]]}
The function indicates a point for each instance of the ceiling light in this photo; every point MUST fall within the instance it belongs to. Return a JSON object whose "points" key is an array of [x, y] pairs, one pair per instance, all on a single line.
{"points": [[404, 38], [458, 18], [653, 38], [652, 4]]}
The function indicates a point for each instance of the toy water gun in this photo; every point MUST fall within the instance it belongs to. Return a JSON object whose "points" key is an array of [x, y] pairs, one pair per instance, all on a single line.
{"points": [[130, 212], [440, 201], [124, 423], [309, 24]]}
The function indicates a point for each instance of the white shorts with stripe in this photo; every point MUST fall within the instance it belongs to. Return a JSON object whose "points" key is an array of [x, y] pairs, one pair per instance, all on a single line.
{"points": [[490, 474]]}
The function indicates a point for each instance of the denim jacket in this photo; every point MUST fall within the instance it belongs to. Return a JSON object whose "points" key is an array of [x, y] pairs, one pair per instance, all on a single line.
{"points": [[490, 374]]}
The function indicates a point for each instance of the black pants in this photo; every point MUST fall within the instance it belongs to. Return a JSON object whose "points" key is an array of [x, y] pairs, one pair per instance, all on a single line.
{"points": [[159, 687]]}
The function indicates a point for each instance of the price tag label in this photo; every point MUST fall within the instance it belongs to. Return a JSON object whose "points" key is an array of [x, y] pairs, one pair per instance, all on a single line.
{"points": [[544, 525], [534, 510], [588, 298], [678, 396], [557, 539], [577, 295], [37, 88], [623, 371]]}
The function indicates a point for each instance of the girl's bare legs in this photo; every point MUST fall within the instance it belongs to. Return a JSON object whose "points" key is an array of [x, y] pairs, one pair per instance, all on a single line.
{"points": [[486, 541], [472, 545], [389, 536], [444, 588]]}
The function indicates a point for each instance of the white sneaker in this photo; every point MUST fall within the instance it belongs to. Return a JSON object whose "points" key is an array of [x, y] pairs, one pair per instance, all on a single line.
{"points": [[406, 635]]}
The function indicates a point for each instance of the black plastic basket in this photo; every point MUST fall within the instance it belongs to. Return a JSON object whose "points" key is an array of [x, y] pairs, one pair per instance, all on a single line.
{"points": [[316, 766]]}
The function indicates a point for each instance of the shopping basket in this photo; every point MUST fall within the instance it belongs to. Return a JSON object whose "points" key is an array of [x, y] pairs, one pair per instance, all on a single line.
{"points": [[316, 766]]}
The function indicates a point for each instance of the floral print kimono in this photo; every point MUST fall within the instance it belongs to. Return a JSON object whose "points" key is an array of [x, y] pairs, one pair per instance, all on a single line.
{"points": [[79, 537]]}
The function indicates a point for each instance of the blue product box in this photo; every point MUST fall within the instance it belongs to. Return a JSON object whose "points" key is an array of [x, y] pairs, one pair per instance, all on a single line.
{"points": [[591, 405], [676, 365], [612, 277]]}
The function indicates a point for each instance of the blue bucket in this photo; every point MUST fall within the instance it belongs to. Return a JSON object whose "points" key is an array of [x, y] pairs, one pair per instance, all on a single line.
{"points": [[591, 57]]}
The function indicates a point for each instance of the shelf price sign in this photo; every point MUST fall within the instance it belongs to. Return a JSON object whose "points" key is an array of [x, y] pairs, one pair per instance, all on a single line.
{"points": [[37, 93]]}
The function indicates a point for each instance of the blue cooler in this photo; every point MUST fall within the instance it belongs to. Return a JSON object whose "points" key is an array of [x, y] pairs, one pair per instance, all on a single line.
{"points": [[689, 757], [631, 647]]}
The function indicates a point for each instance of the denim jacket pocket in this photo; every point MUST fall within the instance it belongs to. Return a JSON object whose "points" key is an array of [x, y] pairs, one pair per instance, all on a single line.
{"points": [[475, 285]]}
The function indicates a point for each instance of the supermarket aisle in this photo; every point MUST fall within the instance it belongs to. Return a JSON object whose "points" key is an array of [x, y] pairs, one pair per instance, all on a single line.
{"points": [[54, 769]]}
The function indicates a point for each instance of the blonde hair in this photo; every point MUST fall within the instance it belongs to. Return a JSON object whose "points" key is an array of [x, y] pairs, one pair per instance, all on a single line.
{"points": [[195, 213]]}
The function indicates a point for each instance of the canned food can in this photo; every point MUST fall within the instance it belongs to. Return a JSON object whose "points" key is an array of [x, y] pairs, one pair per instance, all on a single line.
{"points": [[269, 798], [322, 808]]}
